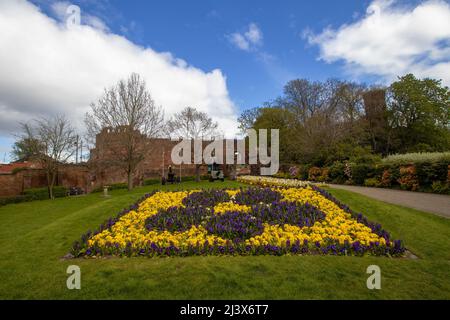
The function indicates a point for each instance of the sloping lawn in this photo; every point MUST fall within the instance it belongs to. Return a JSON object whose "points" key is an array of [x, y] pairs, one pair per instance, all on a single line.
{"points": [[34, 236]]}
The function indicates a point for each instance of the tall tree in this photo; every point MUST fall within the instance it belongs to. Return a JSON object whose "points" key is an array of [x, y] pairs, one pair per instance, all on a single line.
{"points": [[24, 148], [247, 119], [128, 111], [351, 102], [50, 142], [420, 110], [192, 124], [282, 119], [317, 120]]}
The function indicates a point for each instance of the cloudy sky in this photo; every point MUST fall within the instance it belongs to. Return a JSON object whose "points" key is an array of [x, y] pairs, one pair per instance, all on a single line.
{"points": [[219, 56]]}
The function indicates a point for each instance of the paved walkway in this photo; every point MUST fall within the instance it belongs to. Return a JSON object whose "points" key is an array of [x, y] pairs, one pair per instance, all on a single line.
{"points": [[434, 203]]}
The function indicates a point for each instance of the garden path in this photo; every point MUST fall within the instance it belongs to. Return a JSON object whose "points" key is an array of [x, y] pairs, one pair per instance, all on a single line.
{"points": [[435, 203]]}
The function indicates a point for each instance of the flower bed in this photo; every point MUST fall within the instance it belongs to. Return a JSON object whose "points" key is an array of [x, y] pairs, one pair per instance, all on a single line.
{"points": [[280, 221], [272, 182]]}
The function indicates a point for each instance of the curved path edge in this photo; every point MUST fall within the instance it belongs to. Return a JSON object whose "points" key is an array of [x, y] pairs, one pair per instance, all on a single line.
{"points": [[434, 203]]}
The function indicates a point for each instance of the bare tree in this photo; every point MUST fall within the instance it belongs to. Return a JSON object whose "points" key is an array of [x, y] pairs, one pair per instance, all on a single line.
{"points": [[376, 116], [192, 124], [128, 111], [247, 119], [50, 142]]}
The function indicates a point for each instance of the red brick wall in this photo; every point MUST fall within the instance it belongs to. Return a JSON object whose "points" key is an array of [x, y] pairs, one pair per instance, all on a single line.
{"points": [[96, 173], [157, 157], [10, 185], [68, 176], [75, 176]]}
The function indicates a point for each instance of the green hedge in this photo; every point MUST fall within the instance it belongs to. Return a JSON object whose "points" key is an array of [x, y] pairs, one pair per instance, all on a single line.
{"points": [[150, 182], [17, 199], [42, 193], [34, 194], [431, 173], [416, 158]]}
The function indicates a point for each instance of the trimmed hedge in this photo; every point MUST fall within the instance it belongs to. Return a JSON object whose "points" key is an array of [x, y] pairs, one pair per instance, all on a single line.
{"points": [[416, 158], [42, 193], [17, 199], [34, 194]]}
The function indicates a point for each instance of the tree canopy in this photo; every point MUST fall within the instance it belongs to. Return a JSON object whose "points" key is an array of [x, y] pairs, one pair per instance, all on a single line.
{"points": [[334, 120]]}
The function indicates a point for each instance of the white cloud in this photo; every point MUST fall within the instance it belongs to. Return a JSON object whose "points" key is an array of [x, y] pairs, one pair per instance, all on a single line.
{"points": [[239, 41], [392, 40], [60, 8], [48, 69], [254, 35], [95, 23], [248, 40]]}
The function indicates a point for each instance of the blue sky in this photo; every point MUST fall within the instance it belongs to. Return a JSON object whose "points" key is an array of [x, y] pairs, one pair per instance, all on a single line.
{"points": [[197, 31], [221, 57]]}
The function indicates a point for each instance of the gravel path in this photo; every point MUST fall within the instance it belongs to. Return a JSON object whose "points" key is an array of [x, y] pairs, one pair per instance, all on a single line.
{"points": [[434, 203]]}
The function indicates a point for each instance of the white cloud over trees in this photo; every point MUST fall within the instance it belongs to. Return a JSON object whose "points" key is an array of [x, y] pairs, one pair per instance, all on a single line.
{"points": [[48, 68]]}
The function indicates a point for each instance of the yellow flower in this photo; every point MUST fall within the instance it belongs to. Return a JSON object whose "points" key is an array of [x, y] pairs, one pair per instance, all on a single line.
{"points": [[230, 206]]}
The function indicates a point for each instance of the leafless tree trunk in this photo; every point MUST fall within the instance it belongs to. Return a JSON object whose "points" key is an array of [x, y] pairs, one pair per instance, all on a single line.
{"points": [[53, 144], [129, 116], [192, 124]]}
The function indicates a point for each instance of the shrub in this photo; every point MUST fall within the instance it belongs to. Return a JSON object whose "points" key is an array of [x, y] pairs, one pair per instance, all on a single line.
{"points": [[34, 194], [314, 173], [409, 158], [149, 182], [372, 182], [42, 193], [386, 179], [336, 173], [428, 172], [408, 178], [282, 175], [303, 172], [324, 176], [448, 174], [16, 199], [440, 187], [360, 172]]}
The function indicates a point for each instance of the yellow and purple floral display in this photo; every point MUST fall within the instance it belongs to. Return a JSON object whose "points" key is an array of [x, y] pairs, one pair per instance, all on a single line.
{"points": [[251, 221]]}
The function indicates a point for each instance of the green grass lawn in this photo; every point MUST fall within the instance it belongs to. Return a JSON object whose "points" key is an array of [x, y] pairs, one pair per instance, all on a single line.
{"points": [[34, 236]]}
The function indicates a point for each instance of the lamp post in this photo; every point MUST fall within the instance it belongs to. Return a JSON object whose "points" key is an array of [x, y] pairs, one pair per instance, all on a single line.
{"points": [[235, 165]]}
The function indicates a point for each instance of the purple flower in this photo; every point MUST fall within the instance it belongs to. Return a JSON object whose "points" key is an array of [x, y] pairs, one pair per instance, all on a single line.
{"points": [[234, 225]]}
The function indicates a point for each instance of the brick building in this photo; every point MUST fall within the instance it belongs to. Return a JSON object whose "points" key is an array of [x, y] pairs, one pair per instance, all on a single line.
{"points": [[157, 159]]}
